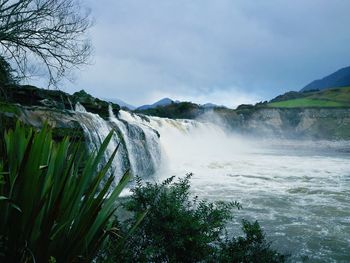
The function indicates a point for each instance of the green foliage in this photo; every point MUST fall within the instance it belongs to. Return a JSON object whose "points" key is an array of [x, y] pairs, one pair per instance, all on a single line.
{"points": [[338, 97], [305, 103], [53, 207], [27, 95], [7, 75], [290, 95], [181, 110], [180, 228], [245, 107], [252, 248]]}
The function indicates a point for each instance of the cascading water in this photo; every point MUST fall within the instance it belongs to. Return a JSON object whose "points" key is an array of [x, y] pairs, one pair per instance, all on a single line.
{"points": [[139, 147], [96, 130], [141, 142], [296, 189], [184, 142]]}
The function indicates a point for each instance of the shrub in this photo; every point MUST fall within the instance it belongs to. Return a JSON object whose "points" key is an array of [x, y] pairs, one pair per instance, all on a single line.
{"points": [[252, 248], [7, 75], [180, 228], [52, 204]]}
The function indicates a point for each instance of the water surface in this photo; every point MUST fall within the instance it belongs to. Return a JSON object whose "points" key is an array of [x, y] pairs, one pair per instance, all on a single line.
{"points": [[297, 190]]}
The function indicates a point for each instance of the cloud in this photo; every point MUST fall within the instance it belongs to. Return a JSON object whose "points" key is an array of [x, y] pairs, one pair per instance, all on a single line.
{"points": [[213, 50]]}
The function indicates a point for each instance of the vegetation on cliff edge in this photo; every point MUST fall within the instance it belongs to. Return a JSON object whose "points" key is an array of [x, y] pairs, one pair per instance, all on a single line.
{"points": [[337, 97]]}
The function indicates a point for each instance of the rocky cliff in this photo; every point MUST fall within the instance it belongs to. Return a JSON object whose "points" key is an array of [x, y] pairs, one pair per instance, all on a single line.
{"points": [[35, 106], [138, 145], [63, 122], [54, 99], [318, 123]]}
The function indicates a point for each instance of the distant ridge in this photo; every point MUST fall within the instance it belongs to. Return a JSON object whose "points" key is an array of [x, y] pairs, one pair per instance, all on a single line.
{"points": [[340, 78], [122, 103], [209, 105], [212, 106], [162, 102]]}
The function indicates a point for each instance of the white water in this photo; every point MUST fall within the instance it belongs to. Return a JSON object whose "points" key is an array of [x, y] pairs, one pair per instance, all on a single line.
{"points": [[96, 130], [139, 148], [298, 190], [300, 196], [142, 144]]}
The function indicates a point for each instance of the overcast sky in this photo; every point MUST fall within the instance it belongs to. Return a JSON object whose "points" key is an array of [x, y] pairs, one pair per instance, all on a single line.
{"points": [[221, 51]]}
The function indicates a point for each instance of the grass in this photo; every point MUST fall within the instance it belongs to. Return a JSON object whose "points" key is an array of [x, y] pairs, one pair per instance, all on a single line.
{"points": [[331, 98], [306, 102]]}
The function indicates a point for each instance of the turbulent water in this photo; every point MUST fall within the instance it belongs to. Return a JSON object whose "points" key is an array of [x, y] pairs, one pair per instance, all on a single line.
{"points": [[299, 193], [142, 144], [298, 190], [138, 144], [96, 130]]}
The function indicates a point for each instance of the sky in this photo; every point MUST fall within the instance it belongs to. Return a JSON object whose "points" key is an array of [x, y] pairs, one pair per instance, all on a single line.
{"points": [[226, 52]]}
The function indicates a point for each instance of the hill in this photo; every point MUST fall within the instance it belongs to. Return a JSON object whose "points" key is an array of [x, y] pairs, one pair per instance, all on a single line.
{"points": [[122, 103], [160, 103], [340, 78], [336, 97], [180, 110]]}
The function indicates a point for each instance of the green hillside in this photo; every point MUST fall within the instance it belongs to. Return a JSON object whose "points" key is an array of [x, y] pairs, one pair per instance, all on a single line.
{"points": [[337, 97]]}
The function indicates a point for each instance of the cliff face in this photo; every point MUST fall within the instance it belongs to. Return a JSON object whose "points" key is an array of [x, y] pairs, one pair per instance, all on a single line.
{"points": [[319, 123], [63, 122], [138, 145], [55, 99], [35, 106]]}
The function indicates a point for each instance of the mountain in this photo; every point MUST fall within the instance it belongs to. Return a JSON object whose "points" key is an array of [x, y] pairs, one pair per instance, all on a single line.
{"points": [[340, 78], [160, 103], [122, 103], [176, 110], [187, 110], [209, 105]]}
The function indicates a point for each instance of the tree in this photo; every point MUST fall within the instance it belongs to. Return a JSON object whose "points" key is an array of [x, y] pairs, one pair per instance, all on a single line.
{"points": [[6, 72], [49, 34]]}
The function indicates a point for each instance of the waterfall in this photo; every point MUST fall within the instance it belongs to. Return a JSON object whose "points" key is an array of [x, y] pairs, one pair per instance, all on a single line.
{"points": [[146, 143], [290, 176], [80, 108], [184, 143], [139, 148], [96, 130], [141, 142]]}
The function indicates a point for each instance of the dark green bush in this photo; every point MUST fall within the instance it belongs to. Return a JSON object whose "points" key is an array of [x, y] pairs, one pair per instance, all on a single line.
{"points": [[180, 228], [7, 74], [252, 248]]}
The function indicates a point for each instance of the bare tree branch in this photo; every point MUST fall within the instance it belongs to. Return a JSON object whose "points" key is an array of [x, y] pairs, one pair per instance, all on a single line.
{"points": [[50, 31]]}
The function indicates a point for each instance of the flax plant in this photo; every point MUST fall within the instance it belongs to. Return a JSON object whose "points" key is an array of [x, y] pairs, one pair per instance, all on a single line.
{"points": [[56, 201]]}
